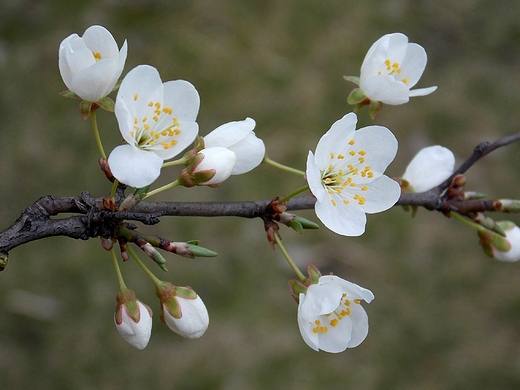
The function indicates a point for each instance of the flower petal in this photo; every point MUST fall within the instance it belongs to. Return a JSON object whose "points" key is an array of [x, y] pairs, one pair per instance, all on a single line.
{"points": [[422, 91], [413, 64], [347, 220], [313, 175], [336, 140], [137, 334], [240, 138], [381, 195], [380, 146], [94, 82], [429, 168], [183, 99], [337, 338], [385, 89], [310, 338], [353, 290], [320, 299], [99, 39], [134, 167]]}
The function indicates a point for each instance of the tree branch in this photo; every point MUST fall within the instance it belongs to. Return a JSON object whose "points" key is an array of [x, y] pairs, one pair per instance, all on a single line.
{"points": [[93, 220]]}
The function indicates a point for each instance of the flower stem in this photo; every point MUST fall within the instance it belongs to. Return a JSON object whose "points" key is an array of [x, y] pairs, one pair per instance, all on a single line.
{"points": [[288, 258], [122, 285], [163, 188], [181, 161], [268, 161], [294, 193], [114, 188], [149, 273], [96, 133]]}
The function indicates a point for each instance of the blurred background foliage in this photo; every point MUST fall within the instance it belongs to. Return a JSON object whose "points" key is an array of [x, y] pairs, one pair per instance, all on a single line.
{"points": [[445, 316]]}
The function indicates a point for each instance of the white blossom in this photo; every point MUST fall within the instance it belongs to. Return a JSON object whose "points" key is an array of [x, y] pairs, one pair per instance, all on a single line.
{"points": [[156, 119], [391, 68], [91, 65], [346, 175], [330, 316]]}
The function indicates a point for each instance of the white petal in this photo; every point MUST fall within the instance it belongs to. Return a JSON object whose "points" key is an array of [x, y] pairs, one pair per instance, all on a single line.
{"points": [[381, 195], [320, 299], [194, 318], [229, 133], [380, 146], [240, 138], [310, 338], [422, 91], [353, 290], [413, 64], [337, 338], [429, 168], [189, 131], [135, 334], [98, 39], [140, 86], [134, 167], [314, 179], [250, 152], [336, 140], [359, 320], [389, 46], [96, 81], [347, 220], [182, 97], [385, 89]]}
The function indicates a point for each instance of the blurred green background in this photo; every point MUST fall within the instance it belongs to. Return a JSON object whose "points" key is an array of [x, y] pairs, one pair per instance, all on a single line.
{"points": [[445, 316]]}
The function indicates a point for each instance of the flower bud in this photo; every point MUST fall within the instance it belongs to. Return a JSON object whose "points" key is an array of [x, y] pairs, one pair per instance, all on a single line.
{"points": [[210, 167], [182, 310], [133, 319], [502, 248]]}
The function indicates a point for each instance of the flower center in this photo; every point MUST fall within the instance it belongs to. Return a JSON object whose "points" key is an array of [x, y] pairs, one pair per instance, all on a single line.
{"points": [[97, 56], [331, 320], [393, 69], [158, 130], [341, 174]]}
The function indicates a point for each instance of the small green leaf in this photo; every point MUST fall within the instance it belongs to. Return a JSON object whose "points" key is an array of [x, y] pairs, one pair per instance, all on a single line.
{"points": [[199, 251]]}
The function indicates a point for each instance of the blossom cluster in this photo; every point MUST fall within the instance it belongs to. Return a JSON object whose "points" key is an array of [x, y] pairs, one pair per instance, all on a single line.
{"points": [[346, 175]]}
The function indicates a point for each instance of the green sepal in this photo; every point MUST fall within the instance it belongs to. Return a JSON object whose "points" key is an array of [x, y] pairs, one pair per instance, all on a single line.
{"points": [[116, 86], [297, 288], [84, 108], [185, 292], [173, 308], [375, 107], [69, 94], [314, 273], [128, 299], [499, 242], [352, 79], [356, 96], [199, 251], [106, 104]]}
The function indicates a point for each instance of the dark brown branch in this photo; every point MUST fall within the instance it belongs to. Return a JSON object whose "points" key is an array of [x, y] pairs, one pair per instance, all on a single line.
{"points": [[35, 222]]}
